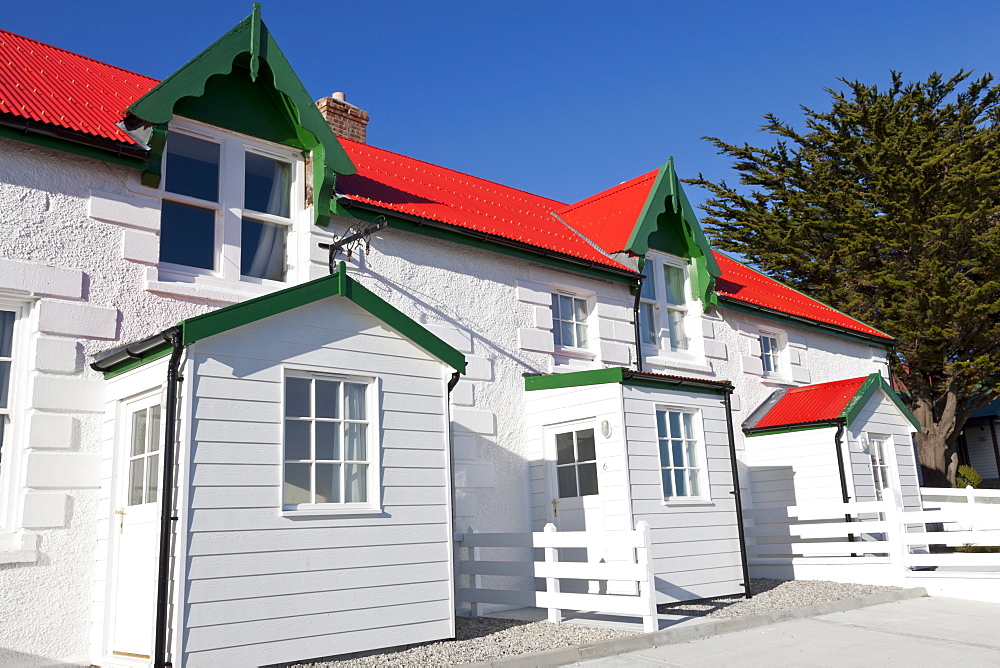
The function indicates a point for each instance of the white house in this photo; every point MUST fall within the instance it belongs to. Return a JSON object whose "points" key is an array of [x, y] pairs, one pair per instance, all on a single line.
{"points": [[510, 359]]}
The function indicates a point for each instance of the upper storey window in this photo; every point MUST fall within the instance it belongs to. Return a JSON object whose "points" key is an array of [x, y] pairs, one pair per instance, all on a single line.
{"points": [[569, 320], [227, 207], [663, 306]]}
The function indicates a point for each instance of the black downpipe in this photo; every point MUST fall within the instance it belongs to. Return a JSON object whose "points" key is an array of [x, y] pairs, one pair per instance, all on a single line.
{"points": [[167, 518], [635, 321], [736, 493], [838, 441]]}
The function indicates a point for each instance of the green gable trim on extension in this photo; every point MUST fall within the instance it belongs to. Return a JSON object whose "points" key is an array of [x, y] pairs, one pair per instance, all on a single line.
{"points": [[668, 223], [874, 383], [338, 284], [272, 104], [618, 374]]}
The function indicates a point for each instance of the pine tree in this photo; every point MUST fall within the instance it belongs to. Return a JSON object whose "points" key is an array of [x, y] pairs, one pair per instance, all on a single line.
{"points": [[888, 207]]}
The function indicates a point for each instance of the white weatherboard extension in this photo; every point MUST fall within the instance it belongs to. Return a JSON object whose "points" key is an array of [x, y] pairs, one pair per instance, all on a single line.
{"points": [[336, 431]]}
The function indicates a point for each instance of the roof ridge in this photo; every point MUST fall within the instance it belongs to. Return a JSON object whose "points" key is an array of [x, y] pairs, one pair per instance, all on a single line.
{"points": [[455, 171], [608, 192], [829, 383], [77, 55]]}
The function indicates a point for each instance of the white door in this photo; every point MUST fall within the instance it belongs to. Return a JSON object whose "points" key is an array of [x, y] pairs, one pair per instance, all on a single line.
{"points": [[135, 527], [576, 504]]}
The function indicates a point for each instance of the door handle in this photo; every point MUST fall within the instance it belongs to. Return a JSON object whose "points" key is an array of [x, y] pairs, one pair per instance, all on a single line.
{"points": [[555, 507], [121, 520]]}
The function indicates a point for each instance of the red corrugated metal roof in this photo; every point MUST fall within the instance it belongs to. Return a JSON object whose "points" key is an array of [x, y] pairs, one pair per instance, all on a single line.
{"points": [[609, 217], [812, 403], [41, 83], [399, 183], [744, 284]]}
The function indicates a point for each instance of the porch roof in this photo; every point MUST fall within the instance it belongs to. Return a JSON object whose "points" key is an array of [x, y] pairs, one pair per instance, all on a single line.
{"points": [[617, 374]]}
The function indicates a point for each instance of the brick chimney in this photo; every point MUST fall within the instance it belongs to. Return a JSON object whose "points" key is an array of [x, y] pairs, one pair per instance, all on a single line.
{"points": [[344, 118]]}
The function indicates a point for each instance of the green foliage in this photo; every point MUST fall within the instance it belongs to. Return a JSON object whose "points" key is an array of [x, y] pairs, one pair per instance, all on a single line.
{"points": [[887, 206], [968, 476]]}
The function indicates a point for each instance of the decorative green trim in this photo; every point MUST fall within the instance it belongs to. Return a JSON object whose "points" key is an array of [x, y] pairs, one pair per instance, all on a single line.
{"points": [[874, 383], [667, 205], [136, 363], [154, 169], [339, 284], [69, 146], [251, 40], [617, 374], [457, 235], [802, 321], [768, 431], [554, 381]]}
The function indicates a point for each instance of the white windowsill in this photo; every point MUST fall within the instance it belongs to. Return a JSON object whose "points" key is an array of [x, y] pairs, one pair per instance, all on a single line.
{"points": [[18, 547], [692, 501], [778, 381], [208, 288], [576, 353], [683, 363], [332, 511]]}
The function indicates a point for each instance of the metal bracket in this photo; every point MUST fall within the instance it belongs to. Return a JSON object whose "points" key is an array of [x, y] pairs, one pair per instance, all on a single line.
{"points": [[353, 239]]}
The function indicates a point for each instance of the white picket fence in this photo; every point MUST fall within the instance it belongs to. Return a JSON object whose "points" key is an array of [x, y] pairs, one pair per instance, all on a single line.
{"points": [[891, 542], [638, 571]]}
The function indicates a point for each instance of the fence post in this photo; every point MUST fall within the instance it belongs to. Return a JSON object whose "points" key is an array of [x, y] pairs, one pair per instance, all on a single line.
{"points": [[898, 550], [647, 589], [552, 584], [473, 579], [970, 509]]}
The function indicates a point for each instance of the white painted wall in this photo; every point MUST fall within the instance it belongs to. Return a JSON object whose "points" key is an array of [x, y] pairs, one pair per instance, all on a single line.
{"points": [[880, 416]]}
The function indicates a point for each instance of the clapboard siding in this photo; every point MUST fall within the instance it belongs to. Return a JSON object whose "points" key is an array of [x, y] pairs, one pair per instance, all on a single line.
{"points": [[267, 588], [982, 456], [696, 550], [793, 467]]}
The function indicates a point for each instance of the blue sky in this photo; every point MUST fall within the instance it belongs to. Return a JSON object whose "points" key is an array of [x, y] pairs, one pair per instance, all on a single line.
{"points": [[556, 97]]}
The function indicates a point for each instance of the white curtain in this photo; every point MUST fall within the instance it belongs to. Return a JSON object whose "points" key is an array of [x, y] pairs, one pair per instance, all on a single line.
{"points": [[269, 258]]}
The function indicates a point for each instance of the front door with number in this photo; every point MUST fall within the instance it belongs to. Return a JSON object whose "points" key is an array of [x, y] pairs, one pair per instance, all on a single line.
{"points": [[135, 530], [576, 504]]}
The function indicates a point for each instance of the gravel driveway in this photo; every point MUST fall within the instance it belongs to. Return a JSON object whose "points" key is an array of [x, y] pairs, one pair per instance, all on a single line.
{"points": [[484, 639]]}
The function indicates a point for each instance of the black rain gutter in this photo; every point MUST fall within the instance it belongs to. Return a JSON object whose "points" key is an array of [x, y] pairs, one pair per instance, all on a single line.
{"points": [[736, 493], [807, 321], [137, 351], [113, 148], [838, 441], [349, 203], [635, 320]]}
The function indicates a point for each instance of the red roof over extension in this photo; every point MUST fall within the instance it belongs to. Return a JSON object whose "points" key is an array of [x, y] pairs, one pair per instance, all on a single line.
{"points": [[812, 403], [41, 83], [744, 284]]}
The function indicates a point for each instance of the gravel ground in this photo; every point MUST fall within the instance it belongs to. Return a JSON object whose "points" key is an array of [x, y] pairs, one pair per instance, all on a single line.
{"points": [[484, 639]]}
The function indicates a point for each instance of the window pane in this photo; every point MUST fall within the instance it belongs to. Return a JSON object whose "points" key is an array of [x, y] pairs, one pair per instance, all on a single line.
{"points": [[647, 323], [356, 447], [564, 448], [661, 424], [765, 345], [581, 336], [680, 483], [327, 440], [267, 186], [673, 280], [192, 167], [327, 483], [688, 425], [297, 440], [668, 483], [588, 479], [675, 424], [585, 446], [154, 428], [354, 398], [187, 235], [297, 398], [298, 487], [6, 333], [262, 250], [567, 481], [152, 476], [327, 399], [355, 483], [135, 478], [693, 486], [4, 384], [580, 309], [566, 307], [566, 333], [677, 448], [675, 324], [138, 432], [692, 453], [665, 453], [648, 288]]}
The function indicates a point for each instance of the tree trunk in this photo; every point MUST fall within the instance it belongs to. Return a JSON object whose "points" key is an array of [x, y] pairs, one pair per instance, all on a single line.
{"points": [[937, 443]]}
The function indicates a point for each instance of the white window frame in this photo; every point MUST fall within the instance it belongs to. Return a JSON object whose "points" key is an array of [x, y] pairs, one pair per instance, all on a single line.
{"points": [[229, 210], [886, 450], [661, 352], [590, 299], [16, 415], [779, 356], [373, 442], [705, 497]]}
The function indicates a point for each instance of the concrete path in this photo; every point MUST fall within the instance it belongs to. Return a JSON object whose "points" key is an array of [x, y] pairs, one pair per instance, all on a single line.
{"points": [[916, 632]]}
